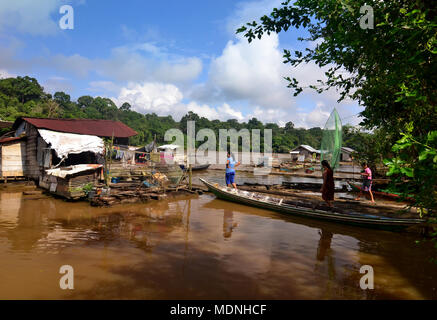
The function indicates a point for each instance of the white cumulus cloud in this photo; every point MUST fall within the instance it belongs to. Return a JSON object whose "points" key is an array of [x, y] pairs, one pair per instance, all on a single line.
{"points": [[5, 74], [146, 61], [167, 99], [29, 16], [252, 71]]}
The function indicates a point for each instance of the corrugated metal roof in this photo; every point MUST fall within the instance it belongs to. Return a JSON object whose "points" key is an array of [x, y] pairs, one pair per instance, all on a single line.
{"points": [[100, 128], [68, 171], [65, 143], [309, 148], [11, 139], [347, 149], [169, 146]]}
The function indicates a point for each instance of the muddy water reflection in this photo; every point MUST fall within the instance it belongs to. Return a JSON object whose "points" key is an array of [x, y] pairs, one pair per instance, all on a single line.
{"points": [[198, 247]]}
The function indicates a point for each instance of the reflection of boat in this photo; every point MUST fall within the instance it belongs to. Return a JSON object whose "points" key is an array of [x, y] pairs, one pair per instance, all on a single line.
{"points": [[306, 210], [357, 188], [196, 168]]}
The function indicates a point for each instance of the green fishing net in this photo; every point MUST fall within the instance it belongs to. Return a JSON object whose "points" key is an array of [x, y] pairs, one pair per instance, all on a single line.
{"points": [[331, 140]]}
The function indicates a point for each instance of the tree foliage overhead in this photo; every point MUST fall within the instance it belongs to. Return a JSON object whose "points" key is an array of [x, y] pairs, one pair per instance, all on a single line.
{"points": [[390, 69]]}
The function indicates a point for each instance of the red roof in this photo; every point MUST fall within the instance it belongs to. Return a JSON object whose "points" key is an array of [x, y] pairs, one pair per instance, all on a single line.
{"points": [[10, 139], [100, 128]]}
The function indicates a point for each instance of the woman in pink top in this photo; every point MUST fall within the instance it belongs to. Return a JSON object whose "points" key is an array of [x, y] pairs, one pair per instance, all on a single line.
{"points": [[367, 182]]}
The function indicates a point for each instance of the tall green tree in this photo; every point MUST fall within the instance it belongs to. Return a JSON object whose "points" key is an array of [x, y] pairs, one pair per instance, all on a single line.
{"points": [[389, 67]]}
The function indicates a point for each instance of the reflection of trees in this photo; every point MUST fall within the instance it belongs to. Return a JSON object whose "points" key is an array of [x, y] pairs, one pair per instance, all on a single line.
{"points": [[53, 221], [143, 227]]}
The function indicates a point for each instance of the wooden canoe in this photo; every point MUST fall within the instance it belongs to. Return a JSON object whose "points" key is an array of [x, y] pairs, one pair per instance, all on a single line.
{"points": [[283, 206], [392, 196], [197, 167]]}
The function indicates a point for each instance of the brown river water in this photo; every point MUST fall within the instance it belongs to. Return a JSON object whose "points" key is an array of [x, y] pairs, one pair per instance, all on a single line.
{"points": [[199, 247]]}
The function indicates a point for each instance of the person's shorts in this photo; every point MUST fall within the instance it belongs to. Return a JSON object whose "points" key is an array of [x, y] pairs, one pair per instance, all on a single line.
{"points": [[367, 185], [230, 176]]}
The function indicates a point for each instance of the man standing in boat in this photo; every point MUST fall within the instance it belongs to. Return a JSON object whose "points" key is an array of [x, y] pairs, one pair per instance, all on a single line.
{"points": [[231, 164], [367, 182]]}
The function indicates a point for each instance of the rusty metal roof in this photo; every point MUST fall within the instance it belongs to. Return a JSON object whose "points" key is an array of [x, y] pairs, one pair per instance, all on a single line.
{"points": [[100, 128], [11, 139]]}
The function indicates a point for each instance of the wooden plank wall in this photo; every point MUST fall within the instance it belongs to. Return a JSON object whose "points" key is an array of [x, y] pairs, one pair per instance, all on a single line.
{"points": [[13, 159], [33, 169]]}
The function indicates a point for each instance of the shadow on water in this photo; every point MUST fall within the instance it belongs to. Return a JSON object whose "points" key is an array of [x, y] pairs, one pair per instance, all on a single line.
{"points": [[198, 248]]}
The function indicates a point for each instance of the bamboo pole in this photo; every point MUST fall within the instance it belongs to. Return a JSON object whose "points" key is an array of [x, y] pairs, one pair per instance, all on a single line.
{"points": [[190, 174], [105, 167], [353, 169], [108, 154], [112, 146]]}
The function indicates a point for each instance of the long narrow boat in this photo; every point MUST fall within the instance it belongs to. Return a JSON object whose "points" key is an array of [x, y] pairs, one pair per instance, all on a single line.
{"points": [[201, 167], [392, 196], [196, 167], [284, 206]]}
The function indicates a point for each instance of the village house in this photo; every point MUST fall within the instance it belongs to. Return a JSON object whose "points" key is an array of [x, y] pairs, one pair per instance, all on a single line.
{"points": [[305, 152], [61, 154], [346, 154]]}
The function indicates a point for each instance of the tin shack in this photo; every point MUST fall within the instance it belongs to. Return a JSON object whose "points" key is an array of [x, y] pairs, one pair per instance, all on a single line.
{"points": [[66, 156]]}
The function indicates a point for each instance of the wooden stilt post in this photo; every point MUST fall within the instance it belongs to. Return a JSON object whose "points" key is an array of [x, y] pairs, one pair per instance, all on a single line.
{"points": [[353, 169], [190, 174]]}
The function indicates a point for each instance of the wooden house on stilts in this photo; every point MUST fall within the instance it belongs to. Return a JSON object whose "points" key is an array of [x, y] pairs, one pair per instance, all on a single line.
{"points": [[63, 155]]}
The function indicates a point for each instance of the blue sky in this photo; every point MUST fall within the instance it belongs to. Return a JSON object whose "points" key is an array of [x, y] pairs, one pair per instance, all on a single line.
{"points": [[164, 57]]}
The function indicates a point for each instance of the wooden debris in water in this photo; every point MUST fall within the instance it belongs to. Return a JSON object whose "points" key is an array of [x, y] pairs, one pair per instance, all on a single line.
{"points": [[123, 193]]}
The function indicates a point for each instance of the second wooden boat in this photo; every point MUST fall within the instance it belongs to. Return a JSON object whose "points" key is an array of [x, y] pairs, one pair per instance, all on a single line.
{"points": [[387, 195], [284, 206], [197, 167]]}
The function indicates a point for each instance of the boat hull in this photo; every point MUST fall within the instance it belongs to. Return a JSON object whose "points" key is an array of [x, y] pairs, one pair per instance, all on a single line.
{"points": [[196, 168], [381, 194], [367, 221]]}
